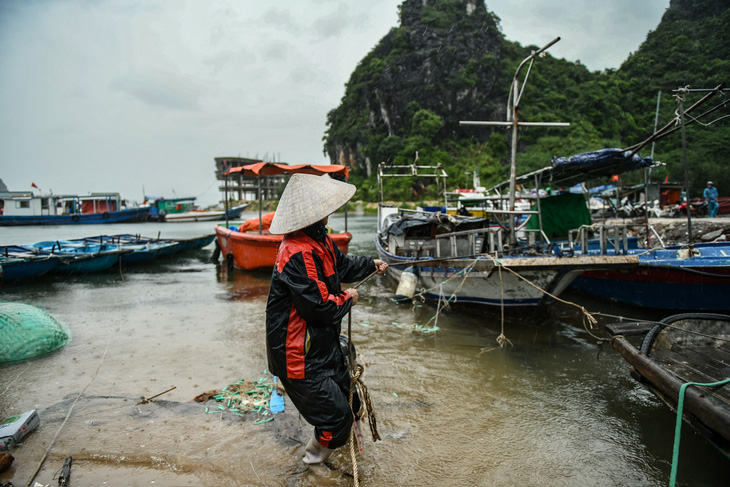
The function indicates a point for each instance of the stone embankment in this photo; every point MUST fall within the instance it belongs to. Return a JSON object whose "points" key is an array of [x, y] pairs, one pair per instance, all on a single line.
{"points": [[674, 231]]}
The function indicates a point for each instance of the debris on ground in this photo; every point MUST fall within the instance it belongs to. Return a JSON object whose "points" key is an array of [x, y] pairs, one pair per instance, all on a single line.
{"points": [[242, 397]]}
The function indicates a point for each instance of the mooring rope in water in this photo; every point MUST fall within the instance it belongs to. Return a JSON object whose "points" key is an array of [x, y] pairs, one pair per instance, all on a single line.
{"points": [[502, 339], [463, 273], [678, 427], [587, 316]]}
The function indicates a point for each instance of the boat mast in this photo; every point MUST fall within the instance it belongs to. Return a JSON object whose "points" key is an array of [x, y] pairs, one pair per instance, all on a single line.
{"points": [[513, 103], [647, 172], [681, 93]]}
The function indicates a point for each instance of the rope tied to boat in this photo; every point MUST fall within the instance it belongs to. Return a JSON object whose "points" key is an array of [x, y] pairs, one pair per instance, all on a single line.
{"points": [[502, 339], [587, 316]]}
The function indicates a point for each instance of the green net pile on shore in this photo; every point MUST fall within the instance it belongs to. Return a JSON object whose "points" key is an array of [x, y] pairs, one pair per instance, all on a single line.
{"points": [[28, 332], [241, 398]]}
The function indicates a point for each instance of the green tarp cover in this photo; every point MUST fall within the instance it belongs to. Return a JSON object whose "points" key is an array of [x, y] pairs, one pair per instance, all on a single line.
{"points": [[560, 214]]}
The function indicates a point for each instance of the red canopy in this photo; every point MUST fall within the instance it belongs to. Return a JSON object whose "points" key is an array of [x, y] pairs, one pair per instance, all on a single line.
{"points": [[273, 169]]}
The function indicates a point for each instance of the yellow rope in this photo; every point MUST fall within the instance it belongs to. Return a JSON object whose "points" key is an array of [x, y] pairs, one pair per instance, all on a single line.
{"points": [[591, 320], [356, 381], [502, 339]]}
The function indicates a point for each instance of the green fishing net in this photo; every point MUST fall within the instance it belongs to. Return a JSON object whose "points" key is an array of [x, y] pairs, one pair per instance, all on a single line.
{"points": [[27, 332]]}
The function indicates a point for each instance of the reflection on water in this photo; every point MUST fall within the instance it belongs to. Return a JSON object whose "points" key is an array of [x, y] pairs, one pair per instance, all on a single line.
{"points": [[452, 407], [243, 285]]}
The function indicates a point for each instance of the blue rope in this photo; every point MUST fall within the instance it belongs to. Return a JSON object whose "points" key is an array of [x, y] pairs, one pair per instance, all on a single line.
{"points": [[678, 428]]}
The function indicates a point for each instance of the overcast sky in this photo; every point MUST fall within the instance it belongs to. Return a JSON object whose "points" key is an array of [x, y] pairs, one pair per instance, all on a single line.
{"points": [[126, 96]]}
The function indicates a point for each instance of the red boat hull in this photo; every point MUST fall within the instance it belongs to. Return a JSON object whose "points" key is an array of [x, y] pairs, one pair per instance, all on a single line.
{"points": [[250, 251]]}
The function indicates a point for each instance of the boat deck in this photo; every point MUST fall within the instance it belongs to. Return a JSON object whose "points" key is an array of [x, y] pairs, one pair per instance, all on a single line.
{"points": [[667, 366]]}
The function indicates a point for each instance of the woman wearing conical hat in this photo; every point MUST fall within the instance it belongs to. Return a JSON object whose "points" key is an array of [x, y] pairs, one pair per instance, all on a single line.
{"points": [[305, 308]]}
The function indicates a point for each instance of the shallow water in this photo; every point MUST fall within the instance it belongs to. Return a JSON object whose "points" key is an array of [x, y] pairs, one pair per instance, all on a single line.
{"points": [[452, 408]]}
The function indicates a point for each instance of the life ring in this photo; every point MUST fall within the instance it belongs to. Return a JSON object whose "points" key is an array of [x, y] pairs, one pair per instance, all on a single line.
{"points": [[74, 218]]}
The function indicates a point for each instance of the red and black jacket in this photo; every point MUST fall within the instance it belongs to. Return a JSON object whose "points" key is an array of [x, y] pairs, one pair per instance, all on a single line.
{"points": [[306, 306]]}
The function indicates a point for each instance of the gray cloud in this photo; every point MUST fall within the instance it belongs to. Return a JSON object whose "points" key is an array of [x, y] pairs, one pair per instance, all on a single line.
{"points": [[166, 92], [148, 93]]}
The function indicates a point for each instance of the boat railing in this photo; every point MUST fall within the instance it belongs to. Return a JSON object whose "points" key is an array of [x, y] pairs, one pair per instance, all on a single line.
{"points": [[475, 241], [613, 238]]}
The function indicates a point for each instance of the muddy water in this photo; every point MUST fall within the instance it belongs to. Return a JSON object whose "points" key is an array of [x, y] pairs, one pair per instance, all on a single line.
{"points": [[550, 410]]}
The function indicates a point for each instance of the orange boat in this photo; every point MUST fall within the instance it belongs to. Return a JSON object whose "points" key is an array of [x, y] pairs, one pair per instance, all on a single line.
{"points": [[251, 246]]}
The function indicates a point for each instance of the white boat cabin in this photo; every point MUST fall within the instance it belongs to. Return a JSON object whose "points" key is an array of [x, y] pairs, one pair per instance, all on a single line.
{"points": [[25, 203]]}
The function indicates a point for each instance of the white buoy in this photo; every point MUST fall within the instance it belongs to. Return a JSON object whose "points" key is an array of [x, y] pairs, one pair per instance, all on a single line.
{"points": [[407, 285]]}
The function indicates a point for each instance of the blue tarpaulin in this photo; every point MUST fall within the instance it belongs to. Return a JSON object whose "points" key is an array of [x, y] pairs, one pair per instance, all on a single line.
{"points": [[604, 162]]}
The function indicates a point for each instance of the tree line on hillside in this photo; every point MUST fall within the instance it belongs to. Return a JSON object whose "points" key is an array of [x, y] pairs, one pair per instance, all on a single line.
{"points": [[449, 61]]}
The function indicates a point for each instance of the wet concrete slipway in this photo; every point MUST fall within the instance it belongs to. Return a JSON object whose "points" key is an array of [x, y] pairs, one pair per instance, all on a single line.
{"points": [[551, 410]]}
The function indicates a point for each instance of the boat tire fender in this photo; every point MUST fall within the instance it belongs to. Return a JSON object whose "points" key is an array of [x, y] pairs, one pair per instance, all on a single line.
{"points": [[648, 342]]}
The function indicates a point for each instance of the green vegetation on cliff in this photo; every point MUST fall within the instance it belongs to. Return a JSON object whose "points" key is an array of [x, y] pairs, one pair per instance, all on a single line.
{"points": [[448, 61]]}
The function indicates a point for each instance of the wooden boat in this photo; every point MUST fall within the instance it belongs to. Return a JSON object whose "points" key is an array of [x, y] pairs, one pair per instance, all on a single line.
{"points": [[257, 248], [688, 277], [184, 210], [155, 246], [194, 243], [249, 250], [196, 215], [80, 258], [140, 249], [673, 278], [458, 258], [681, 349], [26, 208], [19, 264]]}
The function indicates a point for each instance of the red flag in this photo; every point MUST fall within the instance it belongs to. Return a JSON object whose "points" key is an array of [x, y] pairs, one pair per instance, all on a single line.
{"points": [[666, 180], [34, 186]]}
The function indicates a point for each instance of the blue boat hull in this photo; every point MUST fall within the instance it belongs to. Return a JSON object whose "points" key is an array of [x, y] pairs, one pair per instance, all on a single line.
{"points": [[89, 265], [19, 270], [131, 215], [665, 279]]}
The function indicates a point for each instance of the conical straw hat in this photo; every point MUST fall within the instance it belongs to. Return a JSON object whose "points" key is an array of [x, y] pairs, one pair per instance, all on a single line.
{"points": [[308, 199]]}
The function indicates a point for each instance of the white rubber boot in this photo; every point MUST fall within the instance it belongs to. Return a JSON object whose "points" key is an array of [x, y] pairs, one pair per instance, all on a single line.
{"points": [[315, 453]]}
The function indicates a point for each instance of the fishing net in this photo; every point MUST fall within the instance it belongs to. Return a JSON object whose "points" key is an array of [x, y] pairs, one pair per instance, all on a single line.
{"points": [[28, 332], [260, 397]]}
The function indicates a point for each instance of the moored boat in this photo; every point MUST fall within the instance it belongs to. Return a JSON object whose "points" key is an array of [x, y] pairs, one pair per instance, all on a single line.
{"points": [[685, 360], [673, 278], [467, 259], [185, 210], [139, 249], [150, 247], [197, 215], [26, 208], [80, 258], [19, 264], [257, 248]]}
